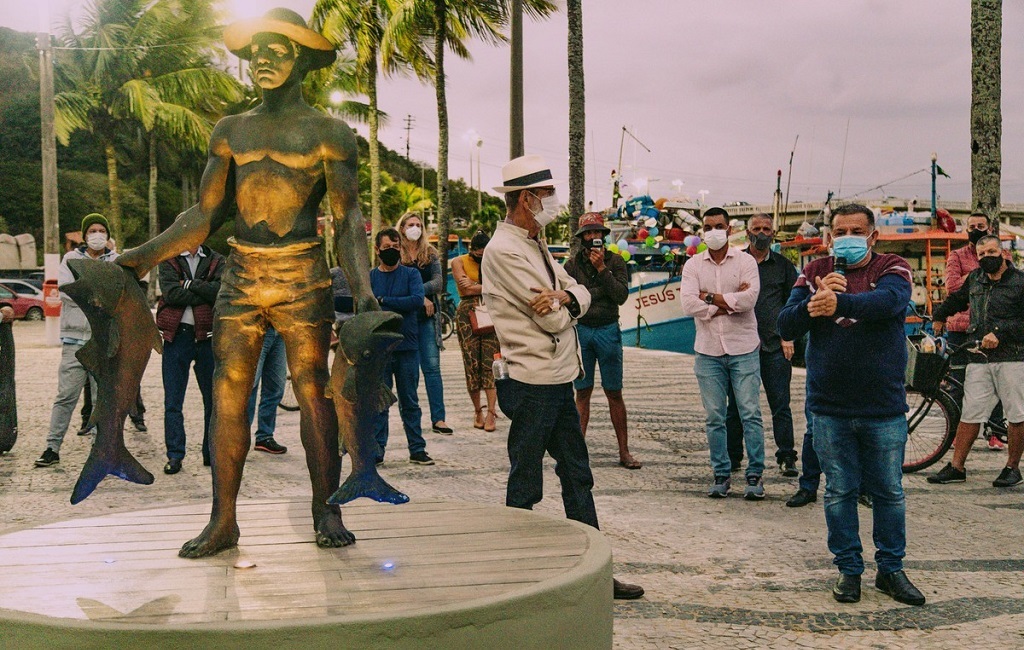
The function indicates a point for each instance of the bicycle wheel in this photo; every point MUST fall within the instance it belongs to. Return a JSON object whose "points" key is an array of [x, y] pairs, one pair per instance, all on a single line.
{"points": [[447, 325], [288, 401], [931, 424]]}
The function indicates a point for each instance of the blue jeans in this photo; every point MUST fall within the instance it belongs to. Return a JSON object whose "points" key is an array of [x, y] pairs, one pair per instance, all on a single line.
{"points": [[600, 345], [430, 363], [776, 375], [741, 375], [178, 355], [405, 369], [863, 454], [271, 373], [545, 419]]}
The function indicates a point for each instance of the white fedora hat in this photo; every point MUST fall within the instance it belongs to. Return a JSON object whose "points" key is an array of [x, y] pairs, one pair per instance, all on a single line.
{"points": [[525, 172]]}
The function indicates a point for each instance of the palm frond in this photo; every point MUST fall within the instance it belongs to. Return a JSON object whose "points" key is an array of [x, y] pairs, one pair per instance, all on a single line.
{"points": [[72, 112]]}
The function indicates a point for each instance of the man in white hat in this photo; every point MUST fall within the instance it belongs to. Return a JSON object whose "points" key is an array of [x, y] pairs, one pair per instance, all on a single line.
{"points": [[535, 304], [276, 163]]}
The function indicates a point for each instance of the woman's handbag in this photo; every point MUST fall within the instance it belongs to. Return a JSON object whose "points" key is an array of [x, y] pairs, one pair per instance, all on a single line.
{"points": [[480, 320]]}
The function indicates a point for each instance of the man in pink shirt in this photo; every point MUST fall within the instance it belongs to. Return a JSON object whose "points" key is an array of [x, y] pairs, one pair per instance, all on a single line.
{"points": [[719, 288], [959, 265]]}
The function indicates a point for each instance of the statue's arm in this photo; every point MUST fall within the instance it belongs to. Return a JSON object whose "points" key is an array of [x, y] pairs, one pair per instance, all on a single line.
{"points": [[340, 170], [193, 226]]}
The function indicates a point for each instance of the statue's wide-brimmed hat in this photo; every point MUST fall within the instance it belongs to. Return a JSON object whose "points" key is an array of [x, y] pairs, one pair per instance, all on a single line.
{"points": [[238, 36], [525, 172]]}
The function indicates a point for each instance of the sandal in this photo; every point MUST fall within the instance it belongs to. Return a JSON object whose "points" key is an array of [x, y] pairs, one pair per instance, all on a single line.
{"points": [[489, 421], [630, 463], [478, 423]]}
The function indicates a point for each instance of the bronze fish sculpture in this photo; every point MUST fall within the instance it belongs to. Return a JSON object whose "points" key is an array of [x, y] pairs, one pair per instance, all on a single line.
{"points": [[357, 388], [123, 333], [8, 402]]}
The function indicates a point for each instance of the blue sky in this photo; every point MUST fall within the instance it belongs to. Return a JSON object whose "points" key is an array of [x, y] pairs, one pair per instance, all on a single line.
{"points": [[719, 91]]}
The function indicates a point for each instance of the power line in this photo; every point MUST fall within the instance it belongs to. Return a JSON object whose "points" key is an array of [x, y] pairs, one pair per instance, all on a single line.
{"points": [[410, 121]]}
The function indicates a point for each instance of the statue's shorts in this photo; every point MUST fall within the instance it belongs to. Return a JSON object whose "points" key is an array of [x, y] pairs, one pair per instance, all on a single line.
{"points": [[286, 286]]}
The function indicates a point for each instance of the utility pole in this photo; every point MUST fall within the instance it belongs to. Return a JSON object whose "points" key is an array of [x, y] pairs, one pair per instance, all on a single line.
{"points": [[517, 140], [51, 221], [410, 121]]}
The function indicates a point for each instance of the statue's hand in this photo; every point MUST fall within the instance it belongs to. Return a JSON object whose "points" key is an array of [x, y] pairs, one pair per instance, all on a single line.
{"points": [[367, 303]]}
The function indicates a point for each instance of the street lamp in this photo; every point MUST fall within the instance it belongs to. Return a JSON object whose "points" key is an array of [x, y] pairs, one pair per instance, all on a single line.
{"points": [[479, 197]]}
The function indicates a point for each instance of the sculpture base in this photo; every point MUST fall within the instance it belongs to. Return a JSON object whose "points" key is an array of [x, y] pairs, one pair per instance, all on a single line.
{"points": [[425, 574]]}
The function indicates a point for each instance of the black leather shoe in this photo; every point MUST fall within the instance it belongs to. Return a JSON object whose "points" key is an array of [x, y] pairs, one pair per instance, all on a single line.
{"points": [[898, 586], [173, 466], [802, 498], [787, 467], [623, 591], [847, 589]]}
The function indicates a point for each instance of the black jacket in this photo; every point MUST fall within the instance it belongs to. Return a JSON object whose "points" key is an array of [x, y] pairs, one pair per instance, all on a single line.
{"points": [[608, 289], [996, 307]]}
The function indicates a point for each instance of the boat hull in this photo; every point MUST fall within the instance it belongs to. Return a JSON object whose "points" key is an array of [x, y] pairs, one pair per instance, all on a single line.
{"points": [[663, 325]]}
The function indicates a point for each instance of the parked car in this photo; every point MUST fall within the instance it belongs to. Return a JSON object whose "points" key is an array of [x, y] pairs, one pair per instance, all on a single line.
{"points": [[27, 307], [23, 286]]}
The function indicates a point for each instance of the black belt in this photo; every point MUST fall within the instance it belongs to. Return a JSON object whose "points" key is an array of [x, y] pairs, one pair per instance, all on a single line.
{"points": [[185, 326]]}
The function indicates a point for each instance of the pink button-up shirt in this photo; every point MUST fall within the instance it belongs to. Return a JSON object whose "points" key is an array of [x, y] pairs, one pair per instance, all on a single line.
{"points": [[733, 333]]}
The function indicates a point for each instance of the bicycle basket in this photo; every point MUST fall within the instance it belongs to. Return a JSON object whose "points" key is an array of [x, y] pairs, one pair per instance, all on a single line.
{"points": [[925, 370]]}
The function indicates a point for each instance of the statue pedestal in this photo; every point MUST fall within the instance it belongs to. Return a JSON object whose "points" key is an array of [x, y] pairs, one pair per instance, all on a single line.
{"points": [[426, 574]]}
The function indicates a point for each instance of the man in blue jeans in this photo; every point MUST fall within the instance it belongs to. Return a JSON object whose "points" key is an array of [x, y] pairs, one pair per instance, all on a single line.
{"points": [[271, 377], [856, 360], [400, 289], [719, 288], [604, 275]]}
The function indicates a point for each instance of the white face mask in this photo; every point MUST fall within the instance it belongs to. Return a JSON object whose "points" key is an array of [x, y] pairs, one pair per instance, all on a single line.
{"points": [[97, 241], [716, 239], [412, 233], [548, 210]]}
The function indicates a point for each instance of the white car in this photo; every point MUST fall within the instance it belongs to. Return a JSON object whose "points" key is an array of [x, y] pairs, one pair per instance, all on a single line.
{"points": [[22, 287]]}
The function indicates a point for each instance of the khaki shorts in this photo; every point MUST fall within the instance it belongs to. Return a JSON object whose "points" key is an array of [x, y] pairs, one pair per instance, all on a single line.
{"points": [[988, 383], [287, 286]]}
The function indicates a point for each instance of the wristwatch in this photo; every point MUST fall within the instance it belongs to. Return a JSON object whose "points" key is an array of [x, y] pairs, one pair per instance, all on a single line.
{"points": [[709, 298]]}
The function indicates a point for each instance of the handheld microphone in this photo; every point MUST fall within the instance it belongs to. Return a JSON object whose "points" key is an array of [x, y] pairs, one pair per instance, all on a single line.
{"points": [[840, 265]]}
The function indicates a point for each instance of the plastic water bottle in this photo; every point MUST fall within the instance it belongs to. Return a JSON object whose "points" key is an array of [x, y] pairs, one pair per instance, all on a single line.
{"points": [[927, 345], [500, 367]]}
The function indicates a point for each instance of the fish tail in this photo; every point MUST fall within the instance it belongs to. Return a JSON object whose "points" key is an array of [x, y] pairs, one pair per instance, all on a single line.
{"points": [[367, 484], [97, 467]]}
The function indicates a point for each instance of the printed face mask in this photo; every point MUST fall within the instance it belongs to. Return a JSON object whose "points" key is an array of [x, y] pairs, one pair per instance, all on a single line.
{"points": [[716, 239], [853, 247], [413, 233], [97, 241], [390, 256]]}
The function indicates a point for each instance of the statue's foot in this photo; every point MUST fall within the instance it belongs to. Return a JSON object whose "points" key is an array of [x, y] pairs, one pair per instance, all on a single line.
{"points": [[214, 539], [331, 533]]}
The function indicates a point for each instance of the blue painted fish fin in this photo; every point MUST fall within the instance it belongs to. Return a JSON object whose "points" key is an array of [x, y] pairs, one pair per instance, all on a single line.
{"points": [[367, 484], [98, 467]]}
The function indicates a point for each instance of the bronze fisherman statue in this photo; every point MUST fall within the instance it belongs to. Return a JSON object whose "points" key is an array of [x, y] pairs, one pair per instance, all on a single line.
{"points": [[275, 162]]}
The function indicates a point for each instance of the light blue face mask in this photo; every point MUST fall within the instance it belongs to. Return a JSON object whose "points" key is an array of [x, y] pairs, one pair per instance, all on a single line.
{"points": [[853, 247]]}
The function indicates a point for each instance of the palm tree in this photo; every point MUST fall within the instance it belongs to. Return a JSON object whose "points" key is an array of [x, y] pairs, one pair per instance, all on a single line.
{"points": [[986, 116], [577, 114], [124, 68], [360, 25]]}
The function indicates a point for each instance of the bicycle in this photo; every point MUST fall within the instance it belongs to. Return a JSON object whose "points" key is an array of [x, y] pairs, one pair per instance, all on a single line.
{"points": [[934, 413], [446, 309]]}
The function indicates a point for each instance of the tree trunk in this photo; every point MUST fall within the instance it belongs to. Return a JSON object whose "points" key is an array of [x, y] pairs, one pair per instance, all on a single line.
{"points": [[114, 213], [154, 219], [986, 117], [376, 220], [517, 145], [444, 208], [577, 117]]}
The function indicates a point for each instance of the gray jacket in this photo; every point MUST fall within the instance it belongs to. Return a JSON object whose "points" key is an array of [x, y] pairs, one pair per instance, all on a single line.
{"points": [[73, 324]]}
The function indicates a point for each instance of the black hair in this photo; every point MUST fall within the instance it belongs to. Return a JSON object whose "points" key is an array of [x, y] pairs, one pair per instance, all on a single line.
{"points": [[480, 240], [714, 212], [988, 238], [854, 208], [390, 233], [988, 222]]}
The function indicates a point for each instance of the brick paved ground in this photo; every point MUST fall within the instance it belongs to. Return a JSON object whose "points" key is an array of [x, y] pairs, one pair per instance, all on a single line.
{"points": [[717, 573]]}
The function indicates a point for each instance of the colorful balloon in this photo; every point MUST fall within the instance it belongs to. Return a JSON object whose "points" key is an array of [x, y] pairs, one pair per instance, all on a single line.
{"points": [[649, 242], [626, 255], [613, 248], [642, 233], [622, 243], [665, 249], [691, 250], [632, 249], [701, 247], [651, 223], [653, 231], [608, 239]]}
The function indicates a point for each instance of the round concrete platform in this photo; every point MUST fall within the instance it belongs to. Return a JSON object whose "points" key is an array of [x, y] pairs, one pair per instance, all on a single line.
{"points": [[425, 574]]}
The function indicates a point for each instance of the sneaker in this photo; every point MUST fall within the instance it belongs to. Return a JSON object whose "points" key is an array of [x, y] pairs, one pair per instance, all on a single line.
{"points": [[49, 457], [948, 474], [442, 429], [720, 488], [995, 444], [787, 466], [866, 500], [421, 458], [140, 424], [754, 491], [1009, 477], [270, 446]]}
